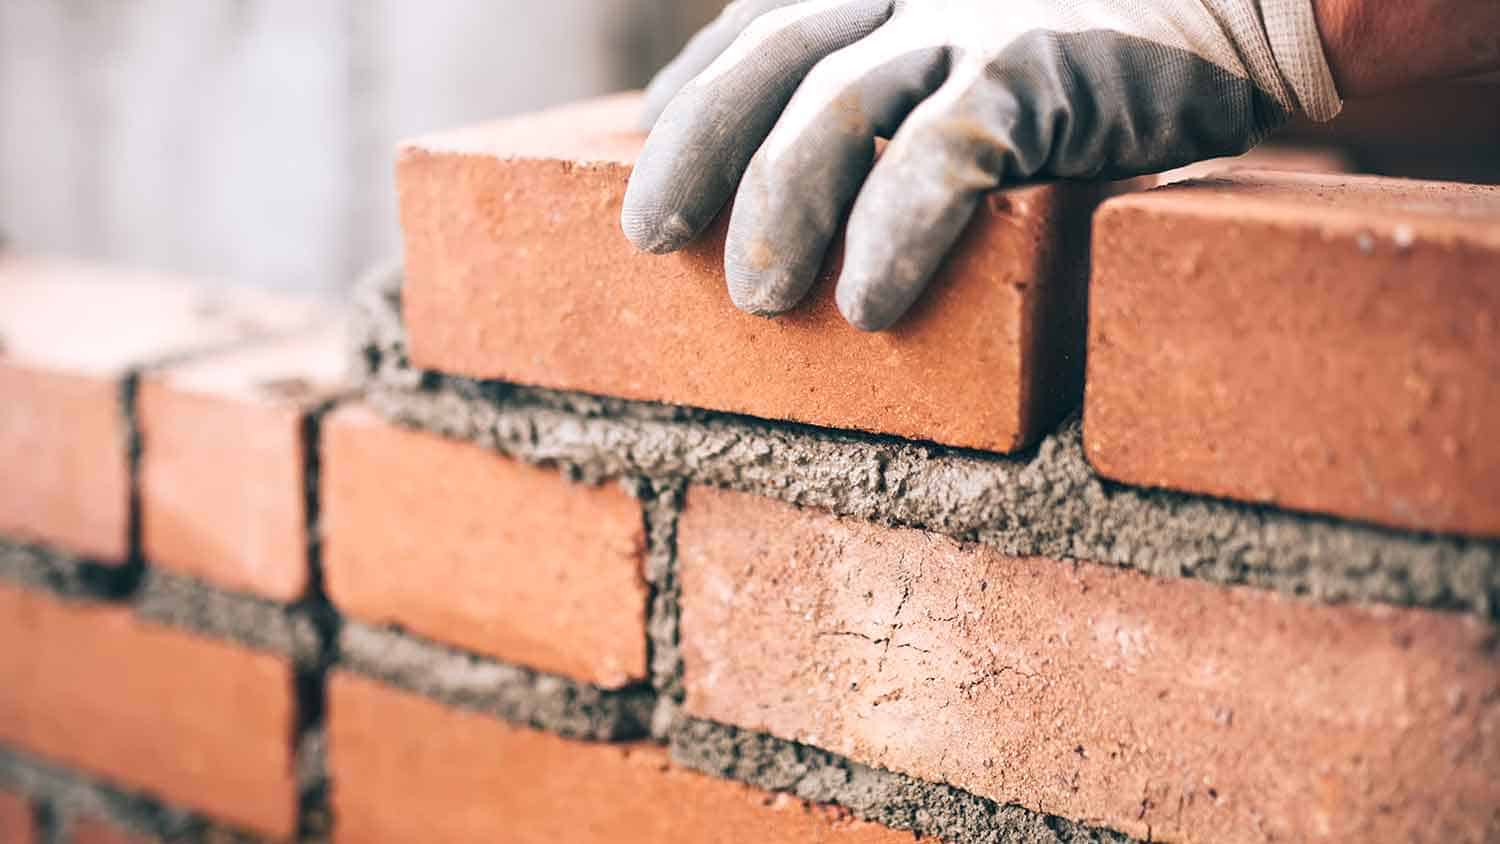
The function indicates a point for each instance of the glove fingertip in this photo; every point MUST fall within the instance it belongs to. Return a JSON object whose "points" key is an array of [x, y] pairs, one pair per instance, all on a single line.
{"points": [[861, 310], [656, 234]]}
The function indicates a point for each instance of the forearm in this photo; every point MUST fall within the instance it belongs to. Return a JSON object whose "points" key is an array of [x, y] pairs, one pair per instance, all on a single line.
{"points": [[1378, 45]]}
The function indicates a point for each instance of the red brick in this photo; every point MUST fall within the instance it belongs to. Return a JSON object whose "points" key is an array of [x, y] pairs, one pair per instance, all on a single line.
{"points": [[409, 769], [17, 822], [1320, 343], [1170, 709], [69, 333], [464, 546], [517, 270], [95, 831], [222, 470], [194, 722]]}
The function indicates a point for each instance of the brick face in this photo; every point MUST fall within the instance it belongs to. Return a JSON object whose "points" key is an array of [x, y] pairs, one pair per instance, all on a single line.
{"points": [[63, 443], [408, 769], [191, 721], [1166, 708], [17, 823], [69, 334], [95, 831], [461, 545], [1320, 343], [517, 270], [222, 470]]}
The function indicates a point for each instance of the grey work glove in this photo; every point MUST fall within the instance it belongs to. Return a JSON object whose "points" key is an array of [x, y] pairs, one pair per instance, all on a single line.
{"points": [[791, 94]]}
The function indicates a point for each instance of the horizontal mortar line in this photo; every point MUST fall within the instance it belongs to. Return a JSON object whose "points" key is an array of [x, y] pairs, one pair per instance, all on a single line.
{"points": [[74, 794], [177, 601], [65, 574], [1381, 543], [816, 760], [508, 692], [511, 395]]}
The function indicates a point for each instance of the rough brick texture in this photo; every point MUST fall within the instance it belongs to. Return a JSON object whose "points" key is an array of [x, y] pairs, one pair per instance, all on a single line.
{"points": [[409, 769], [467, 547], [223, 462], [1165, 708], [1320, 343], [517, 270], [17, 822], [200, 723], [69, 334]]}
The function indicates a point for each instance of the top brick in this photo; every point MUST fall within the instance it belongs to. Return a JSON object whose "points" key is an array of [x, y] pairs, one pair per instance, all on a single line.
{"points": [[69, 335], [517, 270], [1325, 343]]}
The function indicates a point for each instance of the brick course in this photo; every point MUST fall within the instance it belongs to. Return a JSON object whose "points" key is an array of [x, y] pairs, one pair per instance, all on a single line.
{"points": [[517, 270], [1315, 342], [1164, 708], [70, 333], [223, 463], [463, 546], [409, 769], [197, 722]]}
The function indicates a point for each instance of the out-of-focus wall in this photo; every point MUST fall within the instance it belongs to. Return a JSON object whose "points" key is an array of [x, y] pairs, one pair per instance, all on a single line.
{"points": [[251, 140]]}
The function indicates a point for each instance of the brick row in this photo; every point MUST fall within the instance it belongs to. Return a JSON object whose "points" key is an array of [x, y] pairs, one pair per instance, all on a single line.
{"points": [[1317, 342], [195, 722], [70, 334], [1164, 708], [517, 270], [463, 546], [408, 769]]}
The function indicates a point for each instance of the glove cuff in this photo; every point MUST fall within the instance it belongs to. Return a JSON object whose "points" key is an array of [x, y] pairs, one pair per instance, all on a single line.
{"points": [[1292, 29]]}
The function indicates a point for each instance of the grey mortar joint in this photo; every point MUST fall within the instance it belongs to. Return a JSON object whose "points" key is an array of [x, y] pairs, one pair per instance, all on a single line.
{"points": [[65, 797], [1047, 502], [48, 570], [508, 692], [661, 504], [177, 601], [189, 604], [894, 800], [316, 613]]}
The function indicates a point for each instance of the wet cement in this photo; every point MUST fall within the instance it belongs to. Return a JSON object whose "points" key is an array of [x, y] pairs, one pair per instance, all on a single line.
{"points": [[1047, 502]]}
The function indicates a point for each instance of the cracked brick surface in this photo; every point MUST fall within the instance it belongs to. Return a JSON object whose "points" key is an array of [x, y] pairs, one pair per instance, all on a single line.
{"points": [[1162, 708]]}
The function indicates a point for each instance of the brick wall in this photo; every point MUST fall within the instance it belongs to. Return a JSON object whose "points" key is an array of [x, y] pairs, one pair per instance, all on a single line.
{"points": [[545, 542]]}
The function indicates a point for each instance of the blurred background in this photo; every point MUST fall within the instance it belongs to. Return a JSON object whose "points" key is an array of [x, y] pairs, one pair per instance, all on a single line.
{"points": [[251, 140]]}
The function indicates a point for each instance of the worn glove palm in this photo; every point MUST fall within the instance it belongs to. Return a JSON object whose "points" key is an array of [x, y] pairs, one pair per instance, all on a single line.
{"points": [[978, 93]]}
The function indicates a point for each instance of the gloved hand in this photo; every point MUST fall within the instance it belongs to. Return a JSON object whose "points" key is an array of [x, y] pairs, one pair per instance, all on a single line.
{"points": [[978, 93]]}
